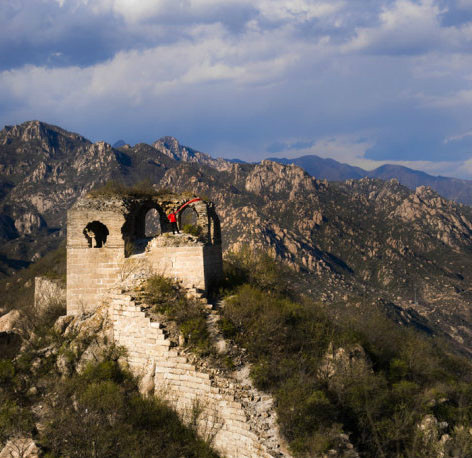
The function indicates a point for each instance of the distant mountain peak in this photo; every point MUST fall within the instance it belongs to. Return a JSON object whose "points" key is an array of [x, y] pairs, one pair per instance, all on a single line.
{"points": [[37, 130], [169, 140], [170, 146], [119, 144]]}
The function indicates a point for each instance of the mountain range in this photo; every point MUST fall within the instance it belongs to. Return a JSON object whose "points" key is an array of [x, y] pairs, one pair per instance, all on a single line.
{"points": [[357, 244], [450, 188]]}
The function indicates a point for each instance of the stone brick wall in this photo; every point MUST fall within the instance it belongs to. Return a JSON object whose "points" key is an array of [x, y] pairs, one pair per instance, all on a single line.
{"points": [[78, 218], [238, 421], [196, 266], [91, 274]]}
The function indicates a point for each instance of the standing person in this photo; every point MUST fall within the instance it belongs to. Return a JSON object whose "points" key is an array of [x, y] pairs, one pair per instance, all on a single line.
{"points": [[173, 222]]}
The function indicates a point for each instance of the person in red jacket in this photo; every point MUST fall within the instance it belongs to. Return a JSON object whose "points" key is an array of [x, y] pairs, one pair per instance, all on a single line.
{"points": [[173, 222]]}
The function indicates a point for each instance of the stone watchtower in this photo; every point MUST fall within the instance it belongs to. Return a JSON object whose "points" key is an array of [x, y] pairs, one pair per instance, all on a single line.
{"points": [[106, 233]]}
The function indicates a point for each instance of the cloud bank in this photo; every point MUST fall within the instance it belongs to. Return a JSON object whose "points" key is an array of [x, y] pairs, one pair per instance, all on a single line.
{"points": [[365, 82]]}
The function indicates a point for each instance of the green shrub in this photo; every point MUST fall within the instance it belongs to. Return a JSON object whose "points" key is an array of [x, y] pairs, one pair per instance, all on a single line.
{"points": [[192, 229], [167, 297], [161, 292], [109, 419], [227, 328], [7, 371], [104, 371], [258, 268], [15, 420], [195, 332], [142, 189], [403, 376]]}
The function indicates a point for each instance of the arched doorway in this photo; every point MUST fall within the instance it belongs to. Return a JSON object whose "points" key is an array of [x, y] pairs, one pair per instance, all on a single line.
{"points": [[188, 217], [145, 221]]}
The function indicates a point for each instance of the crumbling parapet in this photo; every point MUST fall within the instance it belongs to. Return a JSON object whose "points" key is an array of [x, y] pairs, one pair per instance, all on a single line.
{"points": [[104, 233]]}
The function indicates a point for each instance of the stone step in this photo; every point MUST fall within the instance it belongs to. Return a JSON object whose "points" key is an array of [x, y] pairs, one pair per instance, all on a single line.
{"points": [[121, 297], [156, 324]]}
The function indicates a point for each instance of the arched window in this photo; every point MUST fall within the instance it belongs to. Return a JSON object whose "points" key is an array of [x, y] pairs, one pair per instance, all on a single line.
{"points": [[188, 217], [152, 223], [144, 221], [96, 234]]}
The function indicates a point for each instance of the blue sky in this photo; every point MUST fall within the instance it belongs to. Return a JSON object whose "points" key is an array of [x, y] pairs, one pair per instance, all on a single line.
{"points": [[362, 81]]}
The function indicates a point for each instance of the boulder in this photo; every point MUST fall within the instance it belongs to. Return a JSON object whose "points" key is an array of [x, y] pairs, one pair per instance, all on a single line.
{"points": [[9, 321], [341, 364], [63, 365], [62, 322], [93, 353]]}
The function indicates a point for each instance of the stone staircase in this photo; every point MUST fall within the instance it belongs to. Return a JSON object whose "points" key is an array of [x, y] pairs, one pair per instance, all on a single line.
{"points": [[238, 420]]}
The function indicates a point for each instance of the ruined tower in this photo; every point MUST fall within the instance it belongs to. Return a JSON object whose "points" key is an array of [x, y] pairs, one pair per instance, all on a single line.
{"points": [[105, 233]]}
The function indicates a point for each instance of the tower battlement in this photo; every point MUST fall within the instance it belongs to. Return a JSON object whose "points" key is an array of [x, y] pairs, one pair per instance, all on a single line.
{"points": [[104, 233]]}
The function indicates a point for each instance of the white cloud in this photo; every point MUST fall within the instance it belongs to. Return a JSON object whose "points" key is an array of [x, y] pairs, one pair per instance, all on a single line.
{"points": [[458, 137], [298, 10], [406, 27], [449, 100], [138, 76], [135, 11]]}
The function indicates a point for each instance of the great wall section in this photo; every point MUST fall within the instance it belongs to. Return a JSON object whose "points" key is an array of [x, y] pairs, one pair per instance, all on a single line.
{"points": [[235, 418], [109, 253]]}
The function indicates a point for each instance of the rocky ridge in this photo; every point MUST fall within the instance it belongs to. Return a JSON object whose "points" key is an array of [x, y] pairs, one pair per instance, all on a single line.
{"points": [[171, 147], [451, 188], [356, 242]]}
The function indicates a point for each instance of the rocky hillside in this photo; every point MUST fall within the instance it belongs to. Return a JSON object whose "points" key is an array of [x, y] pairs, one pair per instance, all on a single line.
{"points": [[359, 243]]}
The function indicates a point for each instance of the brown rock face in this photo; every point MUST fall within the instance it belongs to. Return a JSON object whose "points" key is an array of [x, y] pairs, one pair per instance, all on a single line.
{"points": [[442, 217], [9, 321], [21, 447], [174, 150], [28, 223]]}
